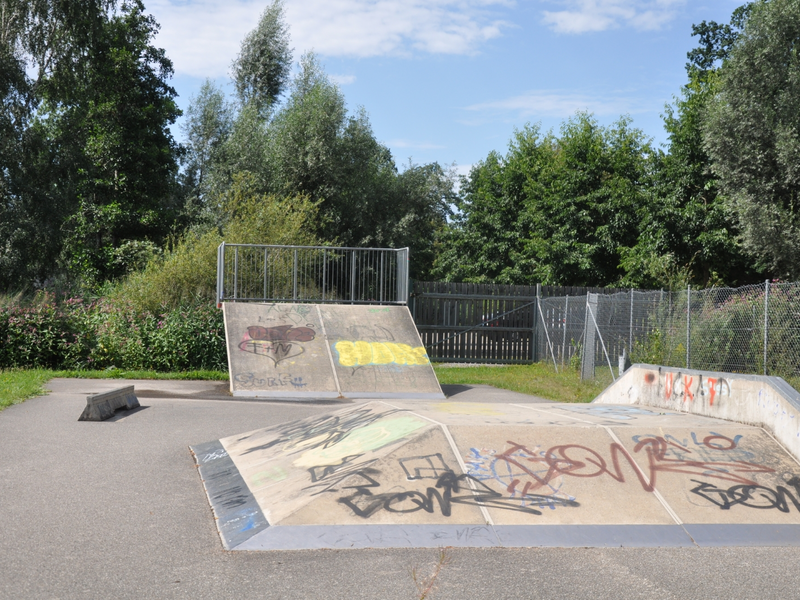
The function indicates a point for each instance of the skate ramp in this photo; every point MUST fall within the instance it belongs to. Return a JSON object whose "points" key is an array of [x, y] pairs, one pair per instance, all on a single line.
{"points": [[757, 400], [431, 474], [298, 351]]}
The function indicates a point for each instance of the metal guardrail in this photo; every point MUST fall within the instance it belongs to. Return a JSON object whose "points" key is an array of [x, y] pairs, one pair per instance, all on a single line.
{"points": [[323, 274]]}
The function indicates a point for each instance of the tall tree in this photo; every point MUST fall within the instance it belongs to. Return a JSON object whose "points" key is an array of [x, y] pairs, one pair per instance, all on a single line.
{"points": [[261, 70], [751, 134]]}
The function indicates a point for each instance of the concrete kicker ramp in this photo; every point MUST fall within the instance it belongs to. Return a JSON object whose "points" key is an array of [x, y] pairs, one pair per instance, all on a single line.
{"points": [[300, 351], [432, 474], [758, 400]]}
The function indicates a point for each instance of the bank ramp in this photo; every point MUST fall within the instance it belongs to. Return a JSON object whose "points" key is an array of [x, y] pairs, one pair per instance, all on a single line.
{"points": [[436, 473], [311, 351]]}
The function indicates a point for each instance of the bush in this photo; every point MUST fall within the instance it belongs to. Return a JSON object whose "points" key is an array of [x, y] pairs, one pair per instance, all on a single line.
{"points": [[80, 334]]}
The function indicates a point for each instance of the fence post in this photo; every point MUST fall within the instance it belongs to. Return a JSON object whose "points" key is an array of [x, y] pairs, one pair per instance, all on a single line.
{"points": [[688, 325], [766, 322], [235, 272], [535, 344], [587, 358], [564, 341], [630, 336]]}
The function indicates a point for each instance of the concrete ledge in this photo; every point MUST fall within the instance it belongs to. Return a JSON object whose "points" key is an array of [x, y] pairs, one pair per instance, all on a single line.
{"points": [[103, 406], [758, 400]]}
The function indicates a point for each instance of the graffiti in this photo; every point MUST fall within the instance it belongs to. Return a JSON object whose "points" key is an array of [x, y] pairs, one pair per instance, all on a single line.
{"points": [[574, 460], [358, 441], [231, 497], [750, 495], [356, 354], [364, 503], [276, 343], [706, 450], [280, 380], [618, 413], [272, 475], [486, 465], [380, 310], [318, 432], [374, 333], [248, 380], [677, 385], [431, 466], [215, 455]]}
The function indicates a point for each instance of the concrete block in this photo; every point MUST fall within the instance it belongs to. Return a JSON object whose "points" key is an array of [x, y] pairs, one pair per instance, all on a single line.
{"points": [[103, 406]]}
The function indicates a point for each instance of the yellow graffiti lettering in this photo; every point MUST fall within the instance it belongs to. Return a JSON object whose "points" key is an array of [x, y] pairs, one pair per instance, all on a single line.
{"points": [[355, 354], [381, 354]]}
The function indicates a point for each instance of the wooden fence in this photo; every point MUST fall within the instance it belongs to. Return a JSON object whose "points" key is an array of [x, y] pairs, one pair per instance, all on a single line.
{"points": [[485, 323]]}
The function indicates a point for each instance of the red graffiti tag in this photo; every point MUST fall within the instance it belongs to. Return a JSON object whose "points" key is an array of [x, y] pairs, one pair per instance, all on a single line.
{"points": [[574, 460]]}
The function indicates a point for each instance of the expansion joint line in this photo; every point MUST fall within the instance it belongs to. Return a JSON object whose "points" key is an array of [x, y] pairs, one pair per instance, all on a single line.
{"points": [[454, 448], [330, 354]]}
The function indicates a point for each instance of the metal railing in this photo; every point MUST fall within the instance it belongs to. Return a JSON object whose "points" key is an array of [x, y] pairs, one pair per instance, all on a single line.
{"points": [[324, 274]]}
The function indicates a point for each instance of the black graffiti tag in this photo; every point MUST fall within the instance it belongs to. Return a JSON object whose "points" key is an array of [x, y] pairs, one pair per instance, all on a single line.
{"points": [[364, 503], [749, 495]]}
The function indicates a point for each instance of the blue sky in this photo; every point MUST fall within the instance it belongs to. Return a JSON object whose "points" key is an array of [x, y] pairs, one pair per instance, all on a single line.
{"points": [[449, 80]]}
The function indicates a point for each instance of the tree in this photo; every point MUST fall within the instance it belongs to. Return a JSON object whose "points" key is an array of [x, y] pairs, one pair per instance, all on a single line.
{"points": [[751, 134], [261, 70], [206, 128], [555, 210]]}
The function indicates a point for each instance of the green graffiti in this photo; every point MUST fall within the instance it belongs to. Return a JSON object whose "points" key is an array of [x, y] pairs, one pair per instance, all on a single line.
{"points": [[370, 437]]}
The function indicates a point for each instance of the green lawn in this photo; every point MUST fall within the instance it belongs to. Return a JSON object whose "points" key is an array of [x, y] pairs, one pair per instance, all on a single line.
{"points": [[539, 380], [17, 385]]}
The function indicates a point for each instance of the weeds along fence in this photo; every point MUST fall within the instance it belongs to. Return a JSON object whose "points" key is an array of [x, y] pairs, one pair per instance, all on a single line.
{"points": [[751, 329]]}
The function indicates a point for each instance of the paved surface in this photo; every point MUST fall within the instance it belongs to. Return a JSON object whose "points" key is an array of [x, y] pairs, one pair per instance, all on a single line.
{"points": [[117, 510], [326, 351]]}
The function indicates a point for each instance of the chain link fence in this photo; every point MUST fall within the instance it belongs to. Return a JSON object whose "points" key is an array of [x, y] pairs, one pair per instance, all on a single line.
{"points": [[751, 329]]}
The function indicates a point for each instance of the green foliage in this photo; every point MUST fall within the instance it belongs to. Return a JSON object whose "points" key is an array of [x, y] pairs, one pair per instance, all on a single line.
{"points": [[261, 70], [555, 210], [17, 385], [81, 334], [751, 134], [187, 274], [89, 163]]}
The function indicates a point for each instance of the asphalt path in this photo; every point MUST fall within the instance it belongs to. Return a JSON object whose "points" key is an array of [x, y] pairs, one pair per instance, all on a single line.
{"points": [[117, 510]]}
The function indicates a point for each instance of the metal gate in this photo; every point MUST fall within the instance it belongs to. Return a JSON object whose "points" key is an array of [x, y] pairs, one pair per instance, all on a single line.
{"points": [[265, 273]]}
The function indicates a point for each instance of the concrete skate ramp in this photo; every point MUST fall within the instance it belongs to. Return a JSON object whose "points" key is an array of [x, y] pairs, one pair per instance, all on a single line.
{"points": [[431, 474], [757, 400], [297, 351]]}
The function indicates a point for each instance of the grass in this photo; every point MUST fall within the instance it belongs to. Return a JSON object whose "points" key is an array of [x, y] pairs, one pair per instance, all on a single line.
{"points": [[17, 385], [538, 380], [124, 374]]}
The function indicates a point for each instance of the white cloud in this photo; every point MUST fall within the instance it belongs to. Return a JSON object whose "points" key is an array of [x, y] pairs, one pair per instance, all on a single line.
{"points": [[400, 143], [583, 16], [202, 37], [549, 103], [343, 79]]}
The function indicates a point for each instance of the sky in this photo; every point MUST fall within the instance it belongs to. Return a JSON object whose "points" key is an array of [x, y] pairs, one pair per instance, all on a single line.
{"points": [[449, 80]]}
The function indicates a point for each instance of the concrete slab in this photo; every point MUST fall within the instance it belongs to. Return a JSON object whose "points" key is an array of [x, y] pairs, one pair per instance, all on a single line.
{"points": [[392, 473], [307, 351]]}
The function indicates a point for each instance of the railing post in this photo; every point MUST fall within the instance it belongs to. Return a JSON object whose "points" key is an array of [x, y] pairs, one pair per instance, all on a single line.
{"points": [[235, 272], [587, 358], [265, 273], [766, 322], [220, 274], [630, 336], [688, 326], [324, 272], [352, 276], [294, 277]]}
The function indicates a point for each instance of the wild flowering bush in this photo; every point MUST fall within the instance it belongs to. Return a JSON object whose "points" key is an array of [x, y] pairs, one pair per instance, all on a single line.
{"points": [[82, 334]]}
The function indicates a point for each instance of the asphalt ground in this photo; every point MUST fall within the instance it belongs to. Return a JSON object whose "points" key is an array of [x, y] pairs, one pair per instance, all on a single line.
{"points": [[117, 510]]}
